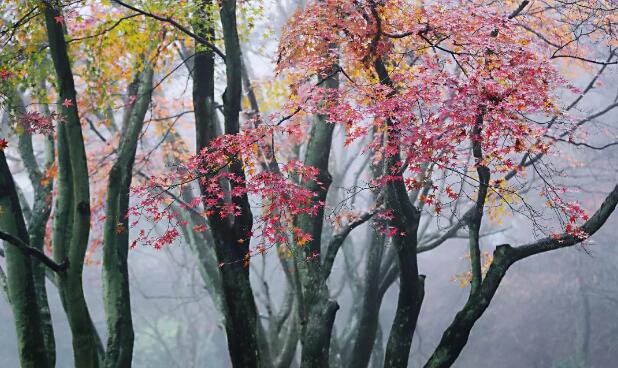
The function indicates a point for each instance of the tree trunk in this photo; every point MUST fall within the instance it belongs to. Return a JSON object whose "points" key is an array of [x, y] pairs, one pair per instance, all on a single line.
{"points": [[370, 310], [41, 211], [37, 221], [21, 287], [230, 234], [75, 220], [116, 293], [406, 219], [241, 316], [317, 312]]}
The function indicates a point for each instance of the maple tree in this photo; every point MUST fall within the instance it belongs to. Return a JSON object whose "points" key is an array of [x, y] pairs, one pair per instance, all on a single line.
{"points": [[449, 103]]}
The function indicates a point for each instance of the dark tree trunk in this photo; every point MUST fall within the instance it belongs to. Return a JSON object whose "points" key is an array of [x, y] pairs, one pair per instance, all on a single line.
{"points": [[73, 200], [317, 312], [370, 309], [406, 219], [37, 220], [117, 299], [231, 235], [20, 281]]}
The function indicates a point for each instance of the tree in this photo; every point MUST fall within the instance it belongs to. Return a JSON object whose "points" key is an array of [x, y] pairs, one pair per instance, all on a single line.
{"points": [[21, 288], [116, 237], [72, 208], [415, 122]]}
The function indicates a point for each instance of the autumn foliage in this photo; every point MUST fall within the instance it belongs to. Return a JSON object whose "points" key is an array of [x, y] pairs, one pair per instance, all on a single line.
{"points": [[453, 105]]}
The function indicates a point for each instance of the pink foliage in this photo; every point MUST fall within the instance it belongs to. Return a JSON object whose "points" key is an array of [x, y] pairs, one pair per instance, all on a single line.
{"points": [[279, 194], [469, 62], [34, 122]]}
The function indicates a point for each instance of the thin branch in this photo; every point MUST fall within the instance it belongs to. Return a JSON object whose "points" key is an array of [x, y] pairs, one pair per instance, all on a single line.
{"points": [[177, 25], [514, 14], [28, 250], [585, 59], [101, 33], [519, 9], [451, 232], [584, 144], [339, 238], [565, 239]]}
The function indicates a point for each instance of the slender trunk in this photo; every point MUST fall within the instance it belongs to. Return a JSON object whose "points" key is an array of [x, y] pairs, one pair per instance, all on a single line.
{"points": [[229, 234], [411, 293], [241, 316], [456, 335], [317, 311], [202, 68], [474, 225], [21, 286], [116, 293], [73, 162], [370, 310], [37, 220], [41, 211], [406, 220], [290, 342]]}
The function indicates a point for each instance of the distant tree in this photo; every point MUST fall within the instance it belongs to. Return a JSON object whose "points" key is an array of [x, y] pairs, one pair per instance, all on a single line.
{"points": [[420, 120]]}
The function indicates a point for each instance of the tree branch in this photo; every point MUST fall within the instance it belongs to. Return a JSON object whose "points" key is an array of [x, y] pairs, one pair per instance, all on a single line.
{"points": [[456, 335], [339, 238], [519, 9], [451, 232], [57, 267], [177, 25], [566, 240]]}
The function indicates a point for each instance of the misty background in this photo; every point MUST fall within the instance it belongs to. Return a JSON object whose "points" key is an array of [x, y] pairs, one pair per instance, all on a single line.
{"points": [[557, 309]]}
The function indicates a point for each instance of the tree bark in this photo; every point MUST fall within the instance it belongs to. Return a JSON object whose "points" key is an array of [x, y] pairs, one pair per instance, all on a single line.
{"points": [[117, 300], [20, 278], [474, 223], [456, 335], [317, 312], [406, 220], [230, 234], [37, 221], [73, 228], [370, 310]]}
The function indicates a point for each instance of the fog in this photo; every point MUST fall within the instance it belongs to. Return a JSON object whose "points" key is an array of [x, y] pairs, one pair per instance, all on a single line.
{"points": [[556, 310]]}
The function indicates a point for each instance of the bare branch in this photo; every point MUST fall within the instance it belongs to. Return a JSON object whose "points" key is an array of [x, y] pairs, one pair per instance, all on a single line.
{"points": [[57, 267], [519, 9], [177, 25], [566, 240], [339, 238]]}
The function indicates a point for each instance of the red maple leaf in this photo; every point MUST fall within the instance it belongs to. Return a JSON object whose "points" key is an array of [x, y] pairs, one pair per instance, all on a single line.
{"points": [[3, 144], [5, 74], [67, 102]]}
